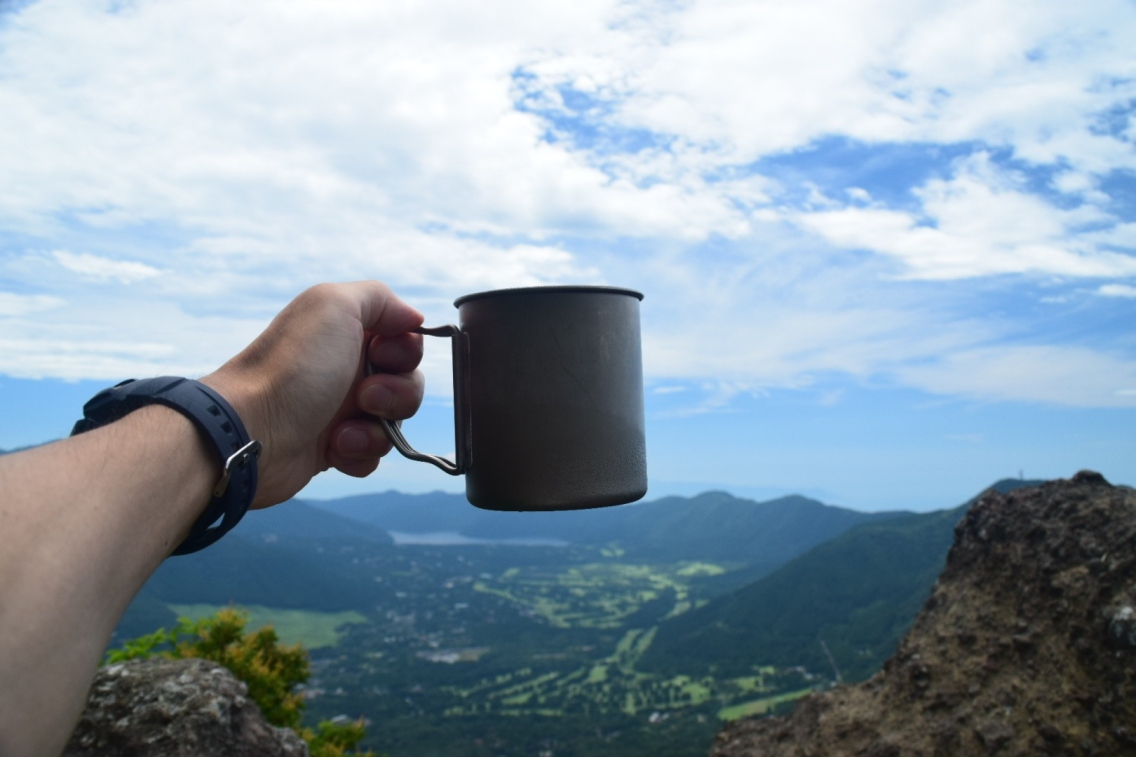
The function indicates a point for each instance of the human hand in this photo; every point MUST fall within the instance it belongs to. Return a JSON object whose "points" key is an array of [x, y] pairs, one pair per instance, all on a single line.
{"points": [[300, 386]]}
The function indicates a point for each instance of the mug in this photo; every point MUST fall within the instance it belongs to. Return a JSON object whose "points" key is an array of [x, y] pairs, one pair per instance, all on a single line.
{"points": [[548, 399]]}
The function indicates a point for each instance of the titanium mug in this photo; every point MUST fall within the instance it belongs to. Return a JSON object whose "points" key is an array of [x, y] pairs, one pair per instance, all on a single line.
{"points": [[548, 398]]}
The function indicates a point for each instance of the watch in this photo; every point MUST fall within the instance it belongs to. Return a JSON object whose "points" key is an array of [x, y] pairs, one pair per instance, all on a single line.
{"points": [[220, 424]]}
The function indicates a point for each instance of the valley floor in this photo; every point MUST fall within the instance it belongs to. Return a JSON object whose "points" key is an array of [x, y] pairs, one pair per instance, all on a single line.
{"points": [[511, 650]]}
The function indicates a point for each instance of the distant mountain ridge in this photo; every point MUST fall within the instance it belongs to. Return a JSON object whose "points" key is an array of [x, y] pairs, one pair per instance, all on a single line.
{"points": [[299, 520], [272, 558], [713, 526]]}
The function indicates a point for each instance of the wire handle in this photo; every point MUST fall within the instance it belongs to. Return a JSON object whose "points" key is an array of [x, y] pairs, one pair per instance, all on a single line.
{"points": [[394, 433]]}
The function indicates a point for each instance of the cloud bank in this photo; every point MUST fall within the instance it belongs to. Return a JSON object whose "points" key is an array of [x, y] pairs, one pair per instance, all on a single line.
{"points": [[928, 195]]}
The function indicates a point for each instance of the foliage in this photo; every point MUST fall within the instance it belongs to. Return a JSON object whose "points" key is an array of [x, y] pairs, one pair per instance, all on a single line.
{"points": [[269, 670], [332, 739]]}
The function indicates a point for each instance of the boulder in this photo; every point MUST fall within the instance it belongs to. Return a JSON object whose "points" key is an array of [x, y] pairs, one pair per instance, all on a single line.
{"points": [[175, 708]]}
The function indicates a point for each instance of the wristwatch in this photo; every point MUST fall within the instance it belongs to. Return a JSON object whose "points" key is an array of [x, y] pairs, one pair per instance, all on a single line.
{"points": [[220, 424]]}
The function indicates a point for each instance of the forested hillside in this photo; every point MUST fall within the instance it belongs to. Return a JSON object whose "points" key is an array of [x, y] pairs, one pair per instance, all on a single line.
{"points": [[843, 606]]}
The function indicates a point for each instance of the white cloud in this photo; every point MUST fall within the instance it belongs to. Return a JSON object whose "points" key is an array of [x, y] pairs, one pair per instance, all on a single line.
{"points": [[322, 122], [17, 305], [743, 79], [86, 338], [978, 223], [1063, 375], [1117, 290], [245, 150], [104, 269]]}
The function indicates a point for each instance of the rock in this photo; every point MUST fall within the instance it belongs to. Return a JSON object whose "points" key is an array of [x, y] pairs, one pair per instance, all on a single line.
{"points": [[994, 735], [1027, 645], [175, 708]]}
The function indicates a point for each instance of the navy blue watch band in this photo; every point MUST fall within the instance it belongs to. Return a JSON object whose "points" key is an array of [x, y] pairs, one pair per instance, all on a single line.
{"points": [[215, 418]]}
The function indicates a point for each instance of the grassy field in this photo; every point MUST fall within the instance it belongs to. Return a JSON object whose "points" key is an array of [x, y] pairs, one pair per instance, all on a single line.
{"points": [[612, 684], [597, 595], [761, 706], [307, 627]]}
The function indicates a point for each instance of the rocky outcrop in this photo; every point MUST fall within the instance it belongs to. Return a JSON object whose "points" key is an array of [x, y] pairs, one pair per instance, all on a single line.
{"points": [[1027, 645], [175, 708]]}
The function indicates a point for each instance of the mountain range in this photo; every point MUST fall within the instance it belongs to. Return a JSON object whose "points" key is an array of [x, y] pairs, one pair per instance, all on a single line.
{"points": [[713, 526], [282, 557], [801, 572]]}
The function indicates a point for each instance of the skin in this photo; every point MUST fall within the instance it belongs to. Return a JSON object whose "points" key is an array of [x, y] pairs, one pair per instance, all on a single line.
{"points": [[86, 520]]}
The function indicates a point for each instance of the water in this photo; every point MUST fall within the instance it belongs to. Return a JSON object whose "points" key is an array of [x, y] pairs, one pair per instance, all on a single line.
{"points": [[454, 539]]}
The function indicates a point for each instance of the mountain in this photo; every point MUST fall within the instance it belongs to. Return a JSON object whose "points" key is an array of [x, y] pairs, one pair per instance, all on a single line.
{"points": [[713, 526], [297, 555], [292, 557], [247, 572], [409, 513], [856, 595], [299, 520], [1026, 646]]}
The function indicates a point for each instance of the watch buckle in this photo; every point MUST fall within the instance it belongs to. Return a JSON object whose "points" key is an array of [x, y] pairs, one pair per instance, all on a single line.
{"points": [[250, 451]]}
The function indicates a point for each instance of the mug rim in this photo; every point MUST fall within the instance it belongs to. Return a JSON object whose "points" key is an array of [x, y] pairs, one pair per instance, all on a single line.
{"points": [[543, 289]]}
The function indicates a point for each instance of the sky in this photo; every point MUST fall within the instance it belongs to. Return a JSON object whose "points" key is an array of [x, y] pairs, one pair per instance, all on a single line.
{"points": [[887, 248]]}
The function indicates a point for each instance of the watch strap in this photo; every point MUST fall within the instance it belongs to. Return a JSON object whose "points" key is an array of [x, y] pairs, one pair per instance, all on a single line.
{"points": [[216, 419]]}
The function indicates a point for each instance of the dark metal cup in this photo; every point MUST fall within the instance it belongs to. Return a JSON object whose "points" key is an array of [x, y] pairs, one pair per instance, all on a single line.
{"points": [[548, 398]]}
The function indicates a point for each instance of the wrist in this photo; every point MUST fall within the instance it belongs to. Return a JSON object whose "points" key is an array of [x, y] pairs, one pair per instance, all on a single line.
{"points": [[218, 423], [248, 398]]}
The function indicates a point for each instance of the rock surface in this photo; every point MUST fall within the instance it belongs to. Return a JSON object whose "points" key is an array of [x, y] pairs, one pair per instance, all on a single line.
{"points": [[175, 708], [1027, 645]]}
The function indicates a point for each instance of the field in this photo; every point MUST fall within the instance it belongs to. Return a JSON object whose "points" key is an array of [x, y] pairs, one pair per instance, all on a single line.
{"points": [[312, 629]]}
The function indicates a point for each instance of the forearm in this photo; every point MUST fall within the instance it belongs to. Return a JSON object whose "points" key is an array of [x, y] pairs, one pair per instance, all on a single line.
{"points": [[83, 523]]}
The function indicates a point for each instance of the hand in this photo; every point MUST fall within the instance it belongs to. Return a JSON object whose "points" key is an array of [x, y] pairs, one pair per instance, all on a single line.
{"points": [[300, 389]]}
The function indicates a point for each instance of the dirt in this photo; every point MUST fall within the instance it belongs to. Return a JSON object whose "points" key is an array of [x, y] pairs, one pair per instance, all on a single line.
{"points": [[1027, 645]]}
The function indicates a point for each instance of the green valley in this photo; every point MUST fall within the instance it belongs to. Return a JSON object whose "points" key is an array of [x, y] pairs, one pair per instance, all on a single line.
{"points": [[597, 646]]}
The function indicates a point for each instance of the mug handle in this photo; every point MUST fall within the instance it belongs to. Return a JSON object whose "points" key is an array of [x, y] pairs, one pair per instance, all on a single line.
{"points": [[394, 433]]}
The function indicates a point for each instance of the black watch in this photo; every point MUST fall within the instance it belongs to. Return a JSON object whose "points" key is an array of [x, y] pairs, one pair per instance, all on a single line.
{"points": [[215, 418]]}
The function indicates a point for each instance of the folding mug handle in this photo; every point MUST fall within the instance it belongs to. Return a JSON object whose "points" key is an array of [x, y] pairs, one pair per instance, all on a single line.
{"points": [[394, 433]]}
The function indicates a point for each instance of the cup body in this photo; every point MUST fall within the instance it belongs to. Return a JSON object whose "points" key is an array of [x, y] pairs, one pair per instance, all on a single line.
{"points": [[552, 398]]}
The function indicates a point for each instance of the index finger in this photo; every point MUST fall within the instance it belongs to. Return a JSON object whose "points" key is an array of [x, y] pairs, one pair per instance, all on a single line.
{"points": [[381, 312]]}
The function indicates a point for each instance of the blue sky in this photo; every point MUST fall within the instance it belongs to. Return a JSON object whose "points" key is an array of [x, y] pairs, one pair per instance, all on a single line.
{"points": [[888, 248]]}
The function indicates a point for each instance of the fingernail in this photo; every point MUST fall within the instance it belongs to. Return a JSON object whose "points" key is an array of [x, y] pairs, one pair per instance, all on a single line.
{"points": [[351, 441], [375, 399]]}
